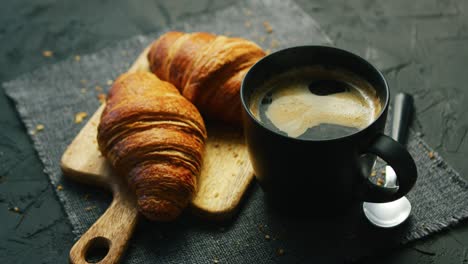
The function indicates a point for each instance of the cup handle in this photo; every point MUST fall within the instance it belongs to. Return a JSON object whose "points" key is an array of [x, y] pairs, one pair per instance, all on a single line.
{"points": [[402, 163]]}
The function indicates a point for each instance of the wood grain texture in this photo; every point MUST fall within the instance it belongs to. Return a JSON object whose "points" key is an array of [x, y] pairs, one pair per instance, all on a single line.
{"points": [[112, 230]]}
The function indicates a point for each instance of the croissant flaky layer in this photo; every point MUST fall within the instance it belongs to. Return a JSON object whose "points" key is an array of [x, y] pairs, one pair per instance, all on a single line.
{"points": [[206, 68], [154, 137]]}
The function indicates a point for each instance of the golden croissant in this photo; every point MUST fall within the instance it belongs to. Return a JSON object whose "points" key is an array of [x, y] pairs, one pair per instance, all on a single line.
{"points": [[154, 137], [206, 68]]}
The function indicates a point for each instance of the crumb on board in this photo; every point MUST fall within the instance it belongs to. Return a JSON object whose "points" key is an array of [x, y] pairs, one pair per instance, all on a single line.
{"points": [[89, 208], [77, 58], [83, 90], [47, 53], [268, 27], [83, 81], [109, 82], [59, 187], [380, 182], [15, 210], [280, 252], [102, 97], [80, 116], [373, 173], [99, 88], [248, 24], [267, 237], [431, 154], [215, 260]]}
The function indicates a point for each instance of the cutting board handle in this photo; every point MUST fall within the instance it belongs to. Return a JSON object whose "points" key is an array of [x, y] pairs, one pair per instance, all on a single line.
{"points": [[107, 239]]}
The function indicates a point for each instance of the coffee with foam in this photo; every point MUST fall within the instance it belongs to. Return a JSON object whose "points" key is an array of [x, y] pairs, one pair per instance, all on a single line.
{"points": [[316, 103]]}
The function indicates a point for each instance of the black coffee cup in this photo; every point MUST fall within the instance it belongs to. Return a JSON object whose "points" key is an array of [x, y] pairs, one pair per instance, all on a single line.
{"points": [[327, 174]]}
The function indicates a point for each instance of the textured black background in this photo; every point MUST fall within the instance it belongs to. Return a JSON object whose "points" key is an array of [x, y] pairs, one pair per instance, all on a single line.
{"points": [[422, 46]]}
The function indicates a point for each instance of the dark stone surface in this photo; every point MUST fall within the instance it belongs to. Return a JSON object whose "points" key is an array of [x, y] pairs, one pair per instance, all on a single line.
{"points": [[422, 47]]}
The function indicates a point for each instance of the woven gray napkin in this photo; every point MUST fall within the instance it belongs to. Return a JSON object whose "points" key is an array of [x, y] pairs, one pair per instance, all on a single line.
{"points": [[51, 97]]}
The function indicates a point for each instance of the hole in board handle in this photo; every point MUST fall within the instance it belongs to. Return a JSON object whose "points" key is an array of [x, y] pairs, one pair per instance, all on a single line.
{"points": [[97, 249]]}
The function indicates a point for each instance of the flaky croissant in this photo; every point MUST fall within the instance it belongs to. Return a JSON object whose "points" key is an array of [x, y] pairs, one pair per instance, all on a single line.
{"points": [[154, 137], [206, 68]]}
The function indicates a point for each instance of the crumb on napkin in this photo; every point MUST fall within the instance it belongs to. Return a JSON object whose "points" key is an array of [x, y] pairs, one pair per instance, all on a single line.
{"points": [[102, 97], [274, 43], [268, 27], [80, 116], [38, 128]]}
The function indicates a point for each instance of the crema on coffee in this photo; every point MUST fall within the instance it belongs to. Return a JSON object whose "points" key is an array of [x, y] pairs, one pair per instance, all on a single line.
{"points": [[316, 103]]}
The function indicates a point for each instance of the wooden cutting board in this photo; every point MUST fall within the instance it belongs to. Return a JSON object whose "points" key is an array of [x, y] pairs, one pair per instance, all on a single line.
{"points": [[225, 175]]}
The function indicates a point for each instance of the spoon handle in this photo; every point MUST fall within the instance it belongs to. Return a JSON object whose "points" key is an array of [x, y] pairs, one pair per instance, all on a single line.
{"points": [[402, 111]]}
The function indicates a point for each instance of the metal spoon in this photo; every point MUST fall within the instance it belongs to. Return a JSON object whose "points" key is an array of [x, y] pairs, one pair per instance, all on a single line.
{"points": [[392, 214]]}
